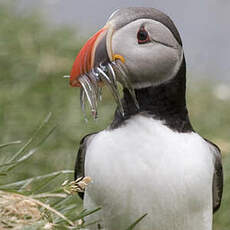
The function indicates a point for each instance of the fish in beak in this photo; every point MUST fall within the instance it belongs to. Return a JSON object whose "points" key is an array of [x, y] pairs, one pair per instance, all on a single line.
{"points": [[96, 66]]}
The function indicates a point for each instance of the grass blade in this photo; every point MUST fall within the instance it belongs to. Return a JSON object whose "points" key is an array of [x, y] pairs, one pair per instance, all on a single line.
{"points": [[18, 185], [132, 226], [87, 213], [31, 152], [9, 144], [45, 121], [13, 163]]}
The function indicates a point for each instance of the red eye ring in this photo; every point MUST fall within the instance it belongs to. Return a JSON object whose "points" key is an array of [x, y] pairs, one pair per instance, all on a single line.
{"points": [[143, 36]]}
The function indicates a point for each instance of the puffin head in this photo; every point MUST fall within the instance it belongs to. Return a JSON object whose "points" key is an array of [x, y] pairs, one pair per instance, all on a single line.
{"points": [[138, 47]]}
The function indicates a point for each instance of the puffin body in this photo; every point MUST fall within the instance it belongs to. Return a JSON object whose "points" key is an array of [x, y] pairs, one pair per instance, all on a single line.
{"points": [[150, 169], [149, 160]]}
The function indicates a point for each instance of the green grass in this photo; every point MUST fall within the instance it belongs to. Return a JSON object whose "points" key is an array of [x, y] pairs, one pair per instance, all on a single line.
{"points": [[36, 201], [34, 58]]}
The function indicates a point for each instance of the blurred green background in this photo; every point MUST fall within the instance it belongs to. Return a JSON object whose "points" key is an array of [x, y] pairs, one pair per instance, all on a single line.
{"points": [[34, 57]]}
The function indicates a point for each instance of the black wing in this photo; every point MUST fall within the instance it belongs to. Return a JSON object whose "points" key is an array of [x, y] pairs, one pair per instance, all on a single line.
{"points": [[80, 161], [217, 185]]}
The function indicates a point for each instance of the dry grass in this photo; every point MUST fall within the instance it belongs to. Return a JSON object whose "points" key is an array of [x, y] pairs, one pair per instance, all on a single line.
{"points": [[17, 211]]}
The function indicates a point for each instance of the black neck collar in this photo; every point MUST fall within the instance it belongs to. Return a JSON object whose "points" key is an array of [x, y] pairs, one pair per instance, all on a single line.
{"points": [[165, 102]]}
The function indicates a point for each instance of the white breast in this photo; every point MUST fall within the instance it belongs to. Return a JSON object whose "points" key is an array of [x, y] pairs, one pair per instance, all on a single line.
{"points": [[145, 167]]}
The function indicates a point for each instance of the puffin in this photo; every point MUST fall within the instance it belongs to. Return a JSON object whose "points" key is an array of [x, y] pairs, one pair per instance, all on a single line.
{"points": [[149, 162]]}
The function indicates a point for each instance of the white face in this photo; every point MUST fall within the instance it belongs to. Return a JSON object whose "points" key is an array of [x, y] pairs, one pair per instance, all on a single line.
{"points": [[151, 61]]}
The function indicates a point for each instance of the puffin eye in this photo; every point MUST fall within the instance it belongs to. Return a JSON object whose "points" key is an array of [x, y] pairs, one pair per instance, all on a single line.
{"points": [[142, 36]]}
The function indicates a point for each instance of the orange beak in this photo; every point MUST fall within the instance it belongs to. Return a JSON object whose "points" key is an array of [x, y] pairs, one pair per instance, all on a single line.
{"points": [[93, 52]]}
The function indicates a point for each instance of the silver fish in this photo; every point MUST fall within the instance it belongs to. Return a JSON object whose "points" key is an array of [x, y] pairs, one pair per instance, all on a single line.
{"points": [[109, 74]]}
